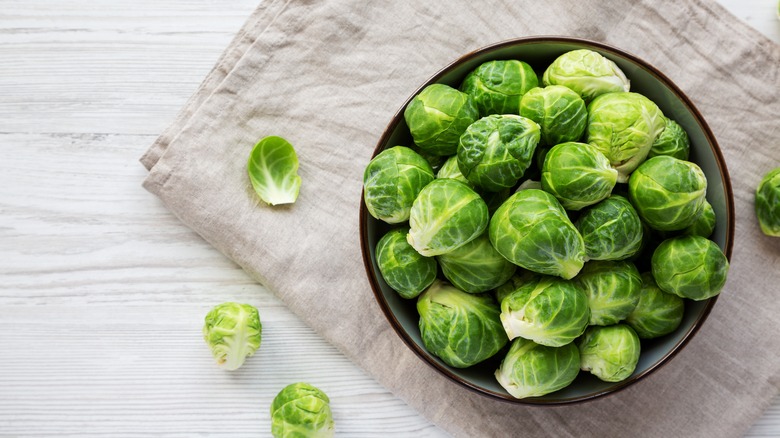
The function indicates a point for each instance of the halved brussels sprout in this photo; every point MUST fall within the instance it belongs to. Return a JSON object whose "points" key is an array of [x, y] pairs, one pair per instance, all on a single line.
{"points": [[532, 370], [391, 182], [668, 193], [657, 313], [497, 86], [586, 72], [559, 111], [476, 267], [690, 267], [460, 328], [768, 203], [495, 151], [438, 116], [233, 332], [450, 170], [610, 353], [672, 141], [403, 268], [301, 410], [624, 126], [532, 230], [577, 174], [446, 215], [550, 311], [611, 229], [705, 222], [613, 289]]}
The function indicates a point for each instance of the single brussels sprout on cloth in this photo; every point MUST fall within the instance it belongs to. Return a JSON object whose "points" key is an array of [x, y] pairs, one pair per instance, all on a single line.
{"points": [[273, 171], [450, 170], [624, 126], [577, 174], [497, 86], [610, 353], [495, 151], [301, 410], [391, 182], [460, 328], [768, 203], [476, 267], [532, 230], [613, 289], [447, 214], [233, 332], [550, 311], [704, 225], [438, 116], [560, 112], [586, 72], [657, 313], [403, 268], [668, 193], [690, 267], [533, 370], [672, 141], [611, 229]]}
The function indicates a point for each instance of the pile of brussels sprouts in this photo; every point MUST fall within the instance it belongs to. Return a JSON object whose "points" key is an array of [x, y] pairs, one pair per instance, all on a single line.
{"points": [[562, 217]]}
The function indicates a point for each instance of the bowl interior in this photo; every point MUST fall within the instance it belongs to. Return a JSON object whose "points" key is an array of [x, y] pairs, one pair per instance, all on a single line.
{"points": [[540, 52]]}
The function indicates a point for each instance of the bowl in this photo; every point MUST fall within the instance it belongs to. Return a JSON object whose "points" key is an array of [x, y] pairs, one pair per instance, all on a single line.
{"points": [[645, 79]]}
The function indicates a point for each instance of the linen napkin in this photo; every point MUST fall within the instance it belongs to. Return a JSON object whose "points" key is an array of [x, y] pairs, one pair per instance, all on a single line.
{"points": [[329, 75]]}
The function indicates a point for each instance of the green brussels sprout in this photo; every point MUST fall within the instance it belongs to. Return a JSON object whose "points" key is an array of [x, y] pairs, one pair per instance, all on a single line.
{"points": [[624, 126], [611, 230], [532, 370], [532, 230], [690, 267], [657, 313], [497, 86], [668, 193], [613, 289], [391, 182], [559, 111], [768, 203], [301, 410], [577, 174], [609, 353], [521, 277], [495, 151], [476, 267], [672, 141], [233, 332], [438, 116], [705, 222], [586, 72], [450, 170], [550, 311], [460, 328], [403, 268], [446, 215]]}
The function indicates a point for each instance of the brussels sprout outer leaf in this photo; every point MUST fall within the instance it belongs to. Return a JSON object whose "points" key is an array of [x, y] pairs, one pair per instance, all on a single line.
{"points": [[768, 203], [233, 332], [532, 370], [403, 268], [610, 353], [301, 410], [273, 171]]}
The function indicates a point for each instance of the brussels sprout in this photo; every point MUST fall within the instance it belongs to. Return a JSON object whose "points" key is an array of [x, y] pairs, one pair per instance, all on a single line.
{"points": [[476, 267], [403, 268], [559, 111], [612, 288], [624, 126], [668, 193], [672, 141], [495, 151], [233, 332], [521, 277], [532, 230], [391, 182], [532, 370], [768, 203], [586, 72], [657, 313], [450, 170], [577, 174], [497, 86], [704, 224], [690, 267], [438, 116], [609, 353], [446, 214], [611, 230], [301, 410], [461, 329], [273, 171], [550, 311]]}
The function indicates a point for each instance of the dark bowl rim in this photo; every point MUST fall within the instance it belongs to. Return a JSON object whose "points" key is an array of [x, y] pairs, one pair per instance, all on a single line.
{"points": [[730, 225]]}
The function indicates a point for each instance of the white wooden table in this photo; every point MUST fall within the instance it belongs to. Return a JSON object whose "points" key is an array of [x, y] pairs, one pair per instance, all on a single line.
{"points": [[102, 290]]}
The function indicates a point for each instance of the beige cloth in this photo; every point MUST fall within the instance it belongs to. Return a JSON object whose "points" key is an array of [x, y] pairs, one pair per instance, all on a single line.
{"points": [[329, 75]]}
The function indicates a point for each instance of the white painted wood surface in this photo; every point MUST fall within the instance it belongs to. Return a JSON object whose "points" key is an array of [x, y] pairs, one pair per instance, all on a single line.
{"points": [[102, 290]]}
